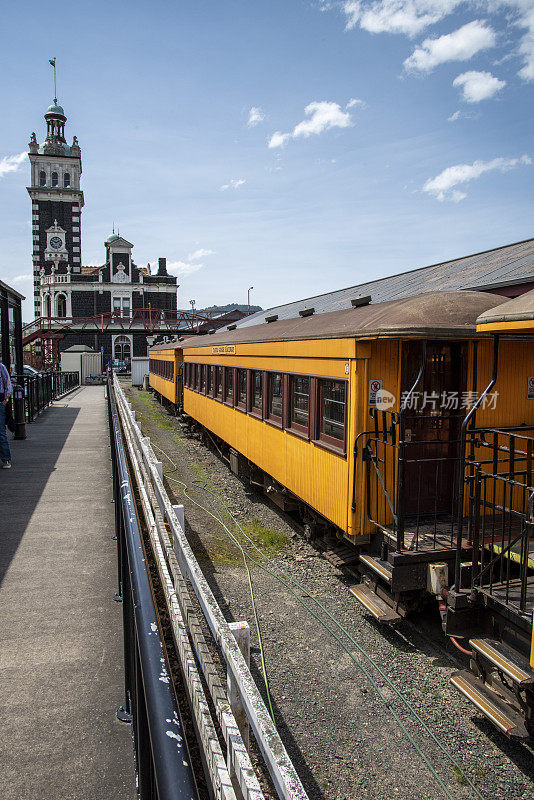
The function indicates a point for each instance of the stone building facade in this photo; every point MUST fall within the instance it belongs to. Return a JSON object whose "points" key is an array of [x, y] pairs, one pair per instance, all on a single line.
{"points": [[63, 287]]}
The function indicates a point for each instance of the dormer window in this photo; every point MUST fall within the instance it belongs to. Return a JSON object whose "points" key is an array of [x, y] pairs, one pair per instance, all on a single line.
{"points": [[66, 180], [42, 178], [55, 179]]}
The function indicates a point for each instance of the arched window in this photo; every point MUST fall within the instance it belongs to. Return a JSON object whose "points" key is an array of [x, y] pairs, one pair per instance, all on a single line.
{"points": [[66, 180], [47, 306], [55, 179], [122, 348], [61, 305], [42, 178]]}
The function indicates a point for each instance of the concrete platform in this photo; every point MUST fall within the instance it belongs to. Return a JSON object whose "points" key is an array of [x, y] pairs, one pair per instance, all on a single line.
{"points": [[61, 661]]}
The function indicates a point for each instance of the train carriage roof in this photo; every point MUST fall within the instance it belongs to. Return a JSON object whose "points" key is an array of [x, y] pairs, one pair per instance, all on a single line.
{"points": [[516, 314], [433, 314]]}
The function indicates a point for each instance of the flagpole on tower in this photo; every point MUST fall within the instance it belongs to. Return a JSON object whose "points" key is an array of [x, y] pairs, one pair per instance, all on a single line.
{"points": [[52, 62]]}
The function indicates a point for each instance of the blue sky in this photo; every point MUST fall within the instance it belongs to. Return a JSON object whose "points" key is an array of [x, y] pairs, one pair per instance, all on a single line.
{"points": [[296, 146]]}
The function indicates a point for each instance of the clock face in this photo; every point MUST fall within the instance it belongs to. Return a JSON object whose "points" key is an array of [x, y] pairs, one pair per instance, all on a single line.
{"points": [[56, 242]]}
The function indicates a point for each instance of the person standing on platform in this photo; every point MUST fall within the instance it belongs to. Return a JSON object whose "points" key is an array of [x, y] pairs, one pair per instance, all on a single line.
{"points": [[6, 390]]}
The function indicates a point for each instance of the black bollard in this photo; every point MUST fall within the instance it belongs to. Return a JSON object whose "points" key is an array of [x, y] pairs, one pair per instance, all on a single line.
{"points": [[19, 412]]}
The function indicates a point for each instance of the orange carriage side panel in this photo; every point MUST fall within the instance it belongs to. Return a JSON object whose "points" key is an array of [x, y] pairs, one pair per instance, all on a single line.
{"points": [[508, 405], [316, 475], [170, 389]]}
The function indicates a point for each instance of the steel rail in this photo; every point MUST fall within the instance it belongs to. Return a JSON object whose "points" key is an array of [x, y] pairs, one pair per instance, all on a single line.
{"points": [[163, 766]]}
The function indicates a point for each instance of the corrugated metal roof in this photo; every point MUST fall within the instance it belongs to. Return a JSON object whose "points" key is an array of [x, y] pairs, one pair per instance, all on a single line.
{"points": [[513, 263], [441, 314]]}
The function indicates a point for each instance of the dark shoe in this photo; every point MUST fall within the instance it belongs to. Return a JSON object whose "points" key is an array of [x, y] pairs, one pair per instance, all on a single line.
{"points": [[6, 464]]}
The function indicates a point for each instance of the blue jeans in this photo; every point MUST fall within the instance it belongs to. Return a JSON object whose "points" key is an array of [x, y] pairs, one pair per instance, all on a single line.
{"points": [[5, 452]]}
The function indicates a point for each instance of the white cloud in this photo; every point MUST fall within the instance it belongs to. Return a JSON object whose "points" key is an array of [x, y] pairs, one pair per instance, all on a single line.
{"points": [[11, 163], [22, 278], [460, 45], [179, 268], [234, 183], [255, 116], [442, 187], [477, 86], [409, 17], [279, 139], [353, 102], [462, 115], [200, 254], [322, 115], [526, 45]]}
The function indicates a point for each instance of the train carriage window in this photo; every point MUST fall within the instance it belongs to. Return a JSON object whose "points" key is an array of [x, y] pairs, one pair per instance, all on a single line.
{"points": [[229, 385], [241, 399], [202, 386], [186, 375], [256, 392], [217, 389], [332, 405], [209, 380], [275, 402], [299, 403]]}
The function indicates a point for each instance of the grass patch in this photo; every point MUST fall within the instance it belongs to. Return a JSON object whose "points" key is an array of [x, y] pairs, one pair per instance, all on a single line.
{"points": [[156, 413], [459, 775], [269, 540]]}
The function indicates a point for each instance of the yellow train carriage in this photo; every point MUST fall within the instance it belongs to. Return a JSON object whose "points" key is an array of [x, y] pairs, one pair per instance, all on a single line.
{"points": [[165, 372], [492, 602], [300, 398]]}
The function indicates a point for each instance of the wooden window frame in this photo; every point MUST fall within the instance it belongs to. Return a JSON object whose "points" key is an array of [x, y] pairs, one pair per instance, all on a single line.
{"points": [[274, 419], [216, 396], [302, 431], [320, 439], [238, 404], [231, 402], [256, 411]]}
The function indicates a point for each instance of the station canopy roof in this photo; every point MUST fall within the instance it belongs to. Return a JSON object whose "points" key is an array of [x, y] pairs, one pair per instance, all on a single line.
{"points": [[510, 265], [514, 315], [431, 314]]}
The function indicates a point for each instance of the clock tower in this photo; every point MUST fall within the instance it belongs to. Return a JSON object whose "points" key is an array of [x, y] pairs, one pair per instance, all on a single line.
{"points": [[57, 201]]}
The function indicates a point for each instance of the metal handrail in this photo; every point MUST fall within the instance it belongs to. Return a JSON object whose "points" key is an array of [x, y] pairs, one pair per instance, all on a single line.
{"points": [[162, 762], [42, 389]]}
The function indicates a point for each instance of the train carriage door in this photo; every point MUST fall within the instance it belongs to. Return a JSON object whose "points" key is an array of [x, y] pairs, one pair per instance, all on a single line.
{"points": [[433, 420]]}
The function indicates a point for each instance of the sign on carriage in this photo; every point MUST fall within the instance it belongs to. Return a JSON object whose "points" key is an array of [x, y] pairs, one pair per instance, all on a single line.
{"points": [[224, 350], [530, 388], [375, 386]]}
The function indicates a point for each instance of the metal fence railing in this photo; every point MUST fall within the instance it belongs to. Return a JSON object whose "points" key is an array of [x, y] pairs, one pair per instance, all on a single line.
{"points": [[500, 519], [181, 576], [42, 389], [163, 765]]}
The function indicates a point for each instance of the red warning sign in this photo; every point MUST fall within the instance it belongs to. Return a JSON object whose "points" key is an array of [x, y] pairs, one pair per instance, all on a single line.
{"points": [[375, 386]]}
